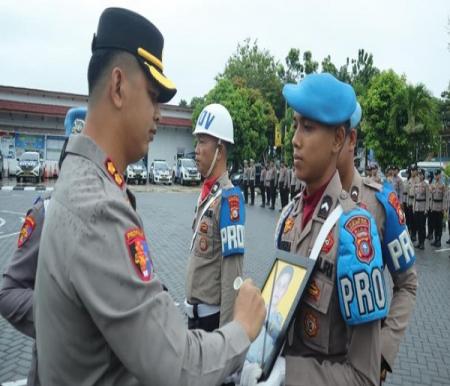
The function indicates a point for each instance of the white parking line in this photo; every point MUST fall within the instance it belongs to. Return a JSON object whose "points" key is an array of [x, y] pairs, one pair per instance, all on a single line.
{"points": [[442, 250], [20, 382], [9, 235], [12, 212]]}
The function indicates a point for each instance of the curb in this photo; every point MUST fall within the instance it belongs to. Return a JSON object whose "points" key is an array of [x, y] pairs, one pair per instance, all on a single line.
{"points": [[27, 188]]}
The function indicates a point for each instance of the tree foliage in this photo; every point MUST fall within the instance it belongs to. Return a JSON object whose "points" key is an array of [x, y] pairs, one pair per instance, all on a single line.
{"points": [[253, 118], [401, 121]]}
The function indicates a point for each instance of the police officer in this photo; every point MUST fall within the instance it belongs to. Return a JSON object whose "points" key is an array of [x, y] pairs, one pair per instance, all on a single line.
{"points": [[420, 207], [334, 340], [268, 182], [283, 185], [397, 183], [16, 294], [273, 177], [262, 184], [246, 180], [252, 181], [375, 176], [398, 251], [438, 205], [101, 314], [217, 248], [412, 181]]}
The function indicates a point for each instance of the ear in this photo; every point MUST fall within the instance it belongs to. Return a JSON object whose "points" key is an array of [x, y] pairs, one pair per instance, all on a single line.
{"points": [[116, 87], [339, 139]]}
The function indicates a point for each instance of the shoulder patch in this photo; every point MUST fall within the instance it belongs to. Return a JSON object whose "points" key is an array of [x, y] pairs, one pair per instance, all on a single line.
{"points": [[139, 253], [398, 249], [26, 231], [232, 222], [359, 270], [114, 173]]}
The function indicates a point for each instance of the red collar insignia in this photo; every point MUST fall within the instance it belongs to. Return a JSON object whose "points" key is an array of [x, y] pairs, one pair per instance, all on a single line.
{"points": [[27, 229], [114, 174]]}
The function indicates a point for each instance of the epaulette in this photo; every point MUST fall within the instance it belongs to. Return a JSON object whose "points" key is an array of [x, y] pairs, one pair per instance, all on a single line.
{"points": [[372, 184]]}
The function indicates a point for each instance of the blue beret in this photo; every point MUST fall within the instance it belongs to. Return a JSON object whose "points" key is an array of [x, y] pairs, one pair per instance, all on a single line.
{"points": [[321, 98], [356, 116], [74, 121]]}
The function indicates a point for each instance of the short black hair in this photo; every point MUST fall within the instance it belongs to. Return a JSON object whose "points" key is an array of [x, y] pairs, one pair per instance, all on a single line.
{"points": [[99, 63]]}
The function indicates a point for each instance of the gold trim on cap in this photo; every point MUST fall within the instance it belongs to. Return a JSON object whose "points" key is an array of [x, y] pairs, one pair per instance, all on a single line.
{"points": [[151, 58], [160, 78]]}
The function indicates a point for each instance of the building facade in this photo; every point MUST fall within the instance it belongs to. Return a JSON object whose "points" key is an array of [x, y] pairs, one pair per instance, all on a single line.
{"points": [[33, 120]]}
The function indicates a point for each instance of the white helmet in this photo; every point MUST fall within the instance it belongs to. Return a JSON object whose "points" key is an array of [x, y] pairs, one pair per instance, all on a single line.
{"points": [[215, 120]]}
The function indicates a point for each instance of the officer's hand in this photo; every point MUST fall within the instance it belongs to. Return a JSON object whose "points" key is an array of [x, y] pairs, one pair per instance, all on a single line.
{"points": [[249, 309], [277, 375], [250, 374]]}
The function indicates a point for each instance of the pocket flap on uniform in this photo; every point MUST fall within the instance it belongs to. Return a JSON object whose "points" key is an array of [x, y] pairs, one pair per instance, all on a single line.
{"points": [[318, 294]]}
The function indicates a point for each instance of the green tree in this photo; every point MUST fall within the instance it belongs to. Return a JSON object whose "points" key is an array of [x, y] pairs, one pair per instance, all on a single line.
{"points": [[363, 72], [183, 103], [257, 69], [328, 66], [396, 126], [253, 118]]}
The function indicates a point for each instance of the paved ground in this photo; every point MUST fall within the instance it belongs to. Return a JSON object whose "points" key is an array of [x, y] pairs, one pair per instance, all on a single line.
{"points": [[167, 212]]}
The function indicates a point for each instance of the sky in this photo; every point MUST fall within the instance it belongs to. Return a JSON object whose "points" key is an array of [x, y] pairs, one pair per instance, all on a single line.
{"points": [[46, 44]]}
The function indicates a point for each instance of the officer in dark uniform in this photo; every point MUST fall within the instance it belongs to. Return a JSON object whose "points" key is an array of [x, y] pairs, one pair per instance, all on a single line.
{"points": [[438, 205], [102, 316]]}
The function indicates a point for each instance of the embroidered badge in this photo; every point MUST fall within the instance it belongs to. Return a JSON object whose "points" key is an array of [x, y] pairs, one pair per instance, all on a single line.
{"points": [[215, 188], [139, 253], [314, 291], [311, 325], [325, 207], [25, 232], [204, 227], [354, 193], [328, 243], [288, 225], [203, 243], [359, 227], [113, 172], [233, 203], [393, 200]]}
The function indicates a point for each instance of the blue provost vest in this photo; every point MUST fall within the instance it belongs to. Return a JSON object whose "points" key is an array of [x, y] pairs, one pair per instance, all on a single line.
{"points": [[232, 222], [398, 250], [280, 226], [361, 288]]}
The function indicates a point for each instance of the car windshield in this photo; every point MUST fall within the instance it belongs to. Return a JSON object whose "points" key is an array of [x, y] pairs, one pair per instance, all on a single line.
{"points": [[29, 157], [161, 166], [188, 163], [139, 164]]}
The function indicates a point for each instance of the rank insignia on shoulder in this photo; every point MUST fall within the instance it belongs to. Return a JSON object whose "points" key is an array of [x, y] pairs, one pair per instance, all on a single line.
{"points": [[139, 253], [393, 200], [233, 203], [25, 232], [354, 194], [359, 227], [114, 173], [288, 225]]}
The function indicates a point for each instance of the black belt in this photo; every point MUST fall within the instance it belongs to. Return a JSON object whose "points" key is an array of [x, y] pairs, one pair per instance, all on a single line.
{"points": [[420, 200], [437, 200], [411, 196]]}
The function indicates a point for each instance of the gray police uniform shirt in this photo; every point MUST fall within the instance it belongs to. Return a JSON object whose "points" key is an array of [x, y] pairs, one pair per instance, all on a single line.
{"points": [[321, 348], [102, 317], [438, 197], [404, 288], [16, 294], [210, 276], [421, 201]]}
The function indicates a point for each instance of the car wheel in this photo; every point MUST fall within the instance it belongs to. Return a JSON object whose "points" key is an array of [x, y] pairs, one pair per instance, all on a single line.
{"points": [[181, 180]]}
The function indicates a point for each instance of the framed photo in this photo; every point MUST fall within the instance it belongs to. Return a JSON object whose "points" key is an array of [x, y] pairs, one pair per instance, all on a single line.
{"points": [[282, 292]]}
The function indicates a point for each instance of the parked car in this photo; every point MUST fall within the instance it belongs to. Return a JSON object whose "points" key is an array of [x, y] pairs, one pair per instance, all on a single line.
{"points": [[30, 166], [1, 166], [185, 171], [159, 173], [237, 178], [137, 173]]}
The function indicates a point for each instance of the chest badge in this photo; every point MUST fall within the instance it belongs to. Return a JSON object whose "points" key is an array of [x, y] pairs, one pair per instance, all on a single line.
{"points": [[288, 225]]}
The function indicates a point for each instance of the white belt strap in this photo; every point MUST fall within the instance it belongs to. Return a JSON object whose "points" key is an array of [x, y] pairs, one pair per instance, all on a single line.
{"points": [[203, 310], [326, 228]]}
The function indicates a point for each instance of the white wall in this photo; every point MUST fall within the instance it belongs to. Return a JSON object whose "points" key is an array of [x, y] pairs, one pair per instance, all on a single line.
{"points": [[167, 141]]}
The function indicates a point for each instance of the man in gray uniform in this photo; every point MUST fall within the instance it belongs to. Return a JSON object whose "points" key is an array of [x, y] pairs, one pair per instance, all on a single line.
{"points": [[16, 294], [101, 314], [252, 181], [217, 248], [438, 205]]}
